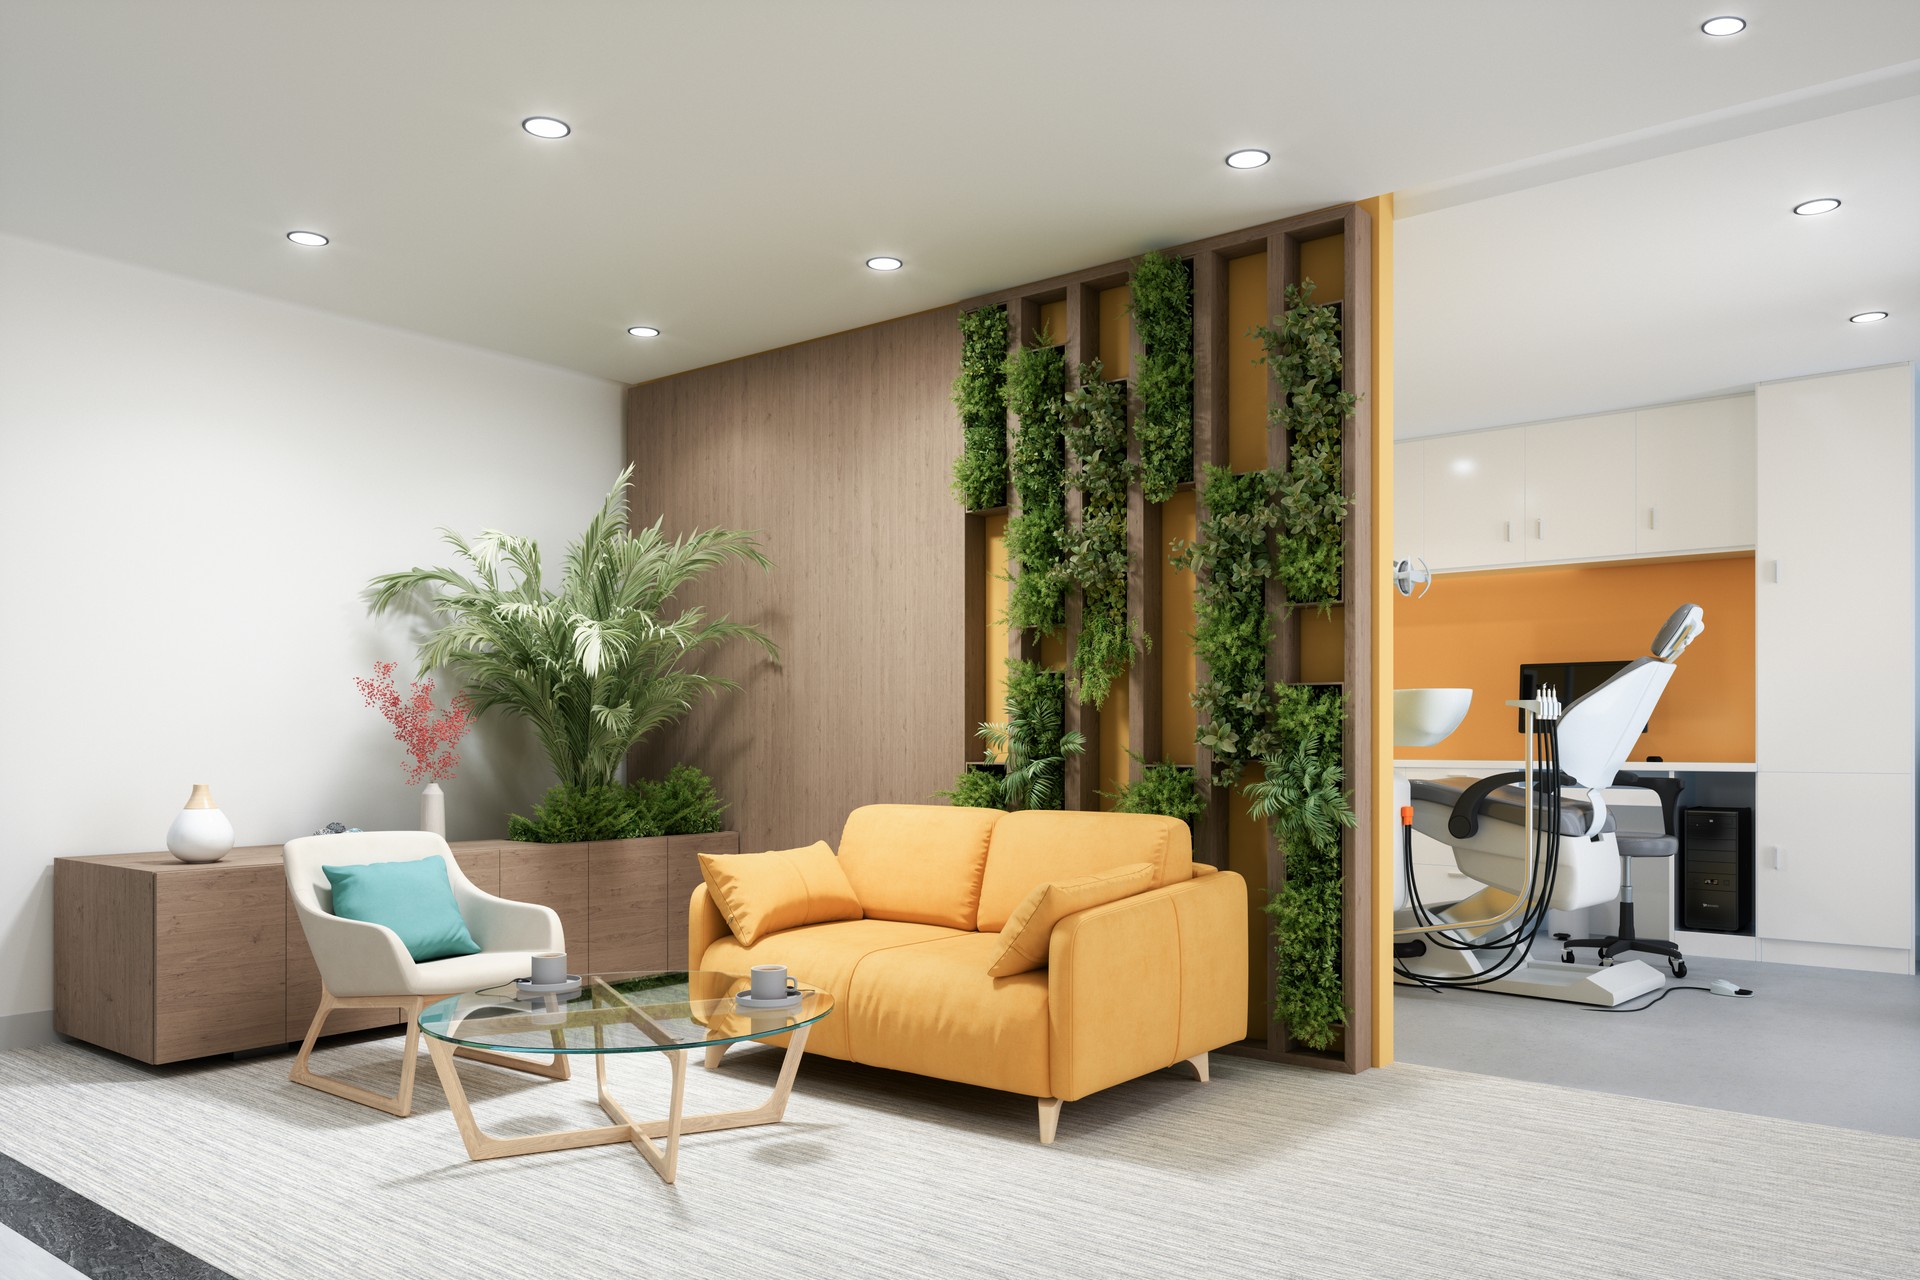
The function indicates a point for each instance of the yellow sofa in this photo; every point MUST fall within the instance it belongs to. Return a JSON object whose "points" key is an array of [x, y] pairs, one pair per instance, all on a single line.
{"points": [[1130, 987]]}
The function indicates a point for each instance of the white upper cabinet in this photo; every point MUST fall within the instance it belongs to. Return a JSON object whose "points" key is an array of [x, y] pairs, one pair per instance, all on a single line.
{"points": [[1695, 476], [1409, 488], [1475, 499], [1580, 488]]}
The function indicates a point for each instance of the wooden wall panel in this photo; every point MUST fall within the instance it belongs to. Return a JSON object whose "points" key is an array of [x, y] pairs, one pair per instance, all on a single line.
{"points": [[839, 451]]}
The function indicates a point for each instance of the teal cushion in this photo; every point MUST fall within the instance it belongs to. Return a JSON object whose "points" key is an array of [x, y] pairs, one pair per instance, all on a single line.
{"points": [[414, 899]]}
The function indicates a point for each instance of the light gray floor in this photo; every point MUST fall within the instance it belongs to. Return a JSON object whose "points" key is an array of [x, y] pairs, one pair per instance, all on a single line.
{"points": [[21, 1259], [1825, 1045]]}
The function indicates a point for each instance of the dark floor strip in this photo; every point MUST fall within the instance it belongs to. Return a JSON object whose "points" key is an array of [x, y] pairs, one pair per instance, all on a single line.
{"points": [[92, 1240]]}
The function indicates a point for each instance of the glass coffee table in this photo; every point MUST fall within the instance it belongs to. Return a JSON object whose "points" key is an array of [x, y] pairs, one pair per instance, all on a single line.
{"points": [[668, 1013]]}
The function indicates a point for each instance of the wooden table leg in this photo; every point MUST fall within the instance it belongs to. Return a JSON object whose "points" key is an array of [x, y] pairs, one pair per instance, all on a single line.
{"points": [[483, 1146]]}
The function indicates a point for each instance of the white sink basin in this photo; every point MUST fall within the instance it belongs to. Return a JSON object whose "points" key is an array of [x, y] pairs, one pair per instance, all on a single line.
{"points": [[1426, 717]]}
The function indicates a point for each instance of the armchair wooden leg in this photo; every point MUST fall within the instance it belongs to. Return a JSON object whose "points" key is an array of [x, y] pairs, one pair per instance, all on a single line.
{"points": [[400, 1102], [1049, 1118], [1198, 1065]]}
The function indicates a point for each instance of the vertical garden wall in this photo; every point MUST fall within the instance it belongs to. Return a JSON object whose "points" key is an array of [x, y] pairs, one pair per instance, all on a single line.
{"points": [[1187, 546]]}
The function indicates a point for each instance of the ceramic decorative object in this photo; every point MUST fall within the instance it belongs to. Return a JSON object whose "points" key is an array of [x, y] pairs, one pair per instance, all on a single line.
{"points": [[201, 833], [433, 809]]}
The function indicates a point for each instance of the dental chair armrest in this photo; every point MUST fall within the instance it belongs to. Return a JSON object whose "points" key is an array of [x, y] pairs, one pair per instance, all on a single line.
{"points": [[1464, 822]]}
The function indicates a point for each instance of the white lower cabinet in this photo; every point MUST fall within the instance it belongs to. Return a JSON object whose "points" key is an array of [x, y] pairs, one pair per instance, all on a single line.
{"points": [[1834, 858]]}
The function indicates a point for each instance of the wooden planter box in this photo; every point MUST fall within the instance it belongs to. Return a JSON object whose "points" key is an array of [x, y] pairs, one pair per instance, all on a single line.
{"points": [[163, 960]]}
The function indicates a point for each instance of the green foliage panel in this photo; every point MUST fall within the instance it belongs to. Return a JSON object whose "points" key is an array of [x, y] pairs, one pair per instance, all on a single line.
{"points": [[1096, 550], [1161, 302], [1036, 537], [980, 393]]}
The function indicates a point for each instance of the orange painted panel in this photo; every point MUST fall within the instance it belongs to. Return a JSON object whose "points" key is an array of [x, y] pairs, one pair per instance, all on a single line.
{"points": [[1116, 333], [995, 586], [1053, 322], [1324, 261], [1323, 645], [1116, 736], [1246, 377], [1474, 630]]}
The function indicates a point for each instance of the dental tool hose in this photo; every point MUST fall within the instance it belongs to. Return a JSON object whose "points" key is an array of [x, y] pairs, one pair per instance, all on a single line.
{"points": [[1512, 948]]}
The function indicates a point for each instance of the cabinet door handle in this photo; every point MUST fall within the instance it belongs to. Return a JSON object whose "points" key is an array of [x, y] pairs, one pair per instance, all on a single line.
{"points": [[1653, 517], [1779, 858], [1776, 572], [1508, 535], [1540, 528]]}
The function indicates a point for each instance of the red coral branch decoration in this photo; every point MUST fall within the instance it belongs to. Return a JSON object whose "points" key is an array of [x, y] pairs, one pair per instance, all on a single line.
{"points": [[430, 736]]}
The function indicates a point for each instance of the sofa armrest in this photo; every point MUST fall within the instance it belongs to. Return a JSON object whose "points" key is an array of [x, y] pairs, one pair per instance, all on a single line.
{"points": [[1145, 982], [705, 925]]}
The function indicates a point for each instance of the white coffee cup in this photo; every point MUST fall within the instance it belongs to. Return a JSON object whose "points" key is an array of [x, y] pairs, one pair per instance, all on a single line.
{"points": [[549, 968], [770, 982]]}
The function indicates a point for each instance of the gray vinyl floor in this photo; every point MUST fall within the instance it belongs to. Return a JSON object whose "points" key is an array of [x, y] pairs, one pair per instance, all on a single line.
{"points": [[1823, 1045], [22, 1259]]}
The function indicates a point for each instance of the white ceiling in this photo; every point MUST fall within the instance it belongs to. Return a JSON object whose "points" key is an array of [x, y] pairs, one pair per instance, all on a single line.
{"points": [[1665, 279], [733, 164]]}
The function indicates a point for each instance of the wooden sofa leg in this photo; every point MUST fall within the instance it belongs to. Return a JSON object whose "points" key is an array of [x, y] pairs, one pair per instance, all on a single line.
{"points": [[1049, 1118], [1198, 1064], [715, 1052]]}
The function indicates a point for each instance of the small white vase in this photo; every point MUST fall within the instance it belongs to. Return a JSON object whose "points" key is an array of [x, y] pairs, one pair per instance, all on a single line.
{"points": [[433, 810], [201, 833]]}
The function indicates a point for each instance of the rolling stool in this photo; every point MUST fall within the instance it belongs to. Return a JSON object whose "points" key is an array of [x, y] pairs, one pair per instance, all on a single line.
{"points": [[1634, 846]]}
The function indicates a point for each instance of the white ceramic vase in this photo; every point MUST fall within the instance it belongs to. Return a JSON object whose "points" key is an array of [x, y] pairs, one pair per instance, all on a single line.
{"points": [[201, 833], [433, 810]]}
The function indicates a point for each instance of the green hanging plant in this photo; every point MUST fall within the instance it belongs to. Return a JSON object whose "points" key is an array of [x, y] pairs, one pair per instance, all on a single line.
{"points": [[1232, 629], [1164, 789], [980, 393], [976, 789], [1302, 793], [1302, 352], [1161, 302], [1036, 392], [1096, 550], [1034, 739]]}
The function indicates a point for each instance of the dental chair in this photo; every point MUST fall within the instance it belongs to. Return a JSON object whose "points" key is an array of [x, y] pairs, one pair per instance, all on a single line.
{"points": [[1536, 846]]}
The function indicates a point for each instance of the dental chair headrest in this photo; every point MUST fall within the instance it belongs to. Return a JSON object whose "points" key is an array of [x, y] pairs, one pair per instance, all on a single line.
{"points": [[1679, 631]]}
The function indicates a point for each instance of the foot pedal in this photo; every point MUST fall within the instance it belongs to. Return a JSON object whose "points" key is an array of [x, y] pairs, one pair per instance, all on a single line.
{"points": [[1410, 950]]}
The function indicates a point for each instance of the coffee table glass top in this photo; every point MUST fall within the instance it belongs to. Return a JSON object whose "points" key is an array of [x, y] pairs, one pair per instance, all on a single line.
{"points": [[616, 1013]]}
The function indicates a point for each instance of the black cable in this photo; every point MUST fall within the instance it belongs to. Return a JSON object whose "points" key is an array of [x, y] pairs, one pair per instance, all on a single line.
{"points": [[1622, 1008]]}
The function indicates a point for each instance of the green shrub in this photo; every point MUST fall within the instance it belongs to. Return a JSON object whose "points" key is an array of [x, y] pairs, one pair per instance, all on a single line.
{"points": [[980, 393], [1033, 741], [1036, 392], [1163, 788], [681, 804], [567, 814], [975, 789], [1232, 628], [1096, 549], [1302, 351], [1161, 300]]}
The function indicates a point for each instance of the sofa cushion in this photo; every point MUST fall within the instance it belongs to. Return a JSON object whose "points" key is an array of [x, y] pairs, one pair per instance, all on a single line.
{"points": [[763, 893], [1036, 847], [920, 863], [1023, 942], [824, 956], [931, 1008]]}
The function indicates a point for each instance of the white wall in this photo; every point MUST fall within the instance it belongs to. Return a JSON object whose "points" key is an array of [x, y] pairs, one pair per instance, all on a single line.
{"points": [[195, 486]]}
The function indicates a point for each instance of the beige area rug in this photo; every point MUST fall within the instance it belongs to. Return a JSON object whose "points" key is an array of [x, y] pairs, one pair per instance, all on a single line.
{"points": [[1267, 1171]]}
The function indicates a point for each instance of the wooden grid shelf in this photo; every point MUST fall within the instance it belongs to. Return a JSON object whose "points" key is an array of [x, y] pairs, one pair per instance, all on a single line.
{"points": [[1208, 260]]}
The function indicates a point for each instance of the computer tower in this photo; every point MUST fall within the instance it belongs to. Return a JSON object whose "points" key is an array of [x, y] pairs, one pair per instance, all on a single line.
{"points": [[1715, 878]]}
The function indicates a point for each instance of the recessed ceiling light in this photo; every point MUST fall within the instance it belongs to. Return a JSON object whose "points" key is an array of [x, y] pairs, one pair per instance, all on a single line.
{"points": [[1249, 158], [644, 331], [1809, 208], [885, 264], [546, 127], [1727, 26], [311, 239], [1868, 317]]}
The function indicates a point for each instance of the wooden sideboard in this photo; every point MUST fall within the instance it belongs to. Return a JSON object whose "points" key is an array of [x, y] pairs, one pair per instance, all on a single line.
{"points": [[163, 960]]}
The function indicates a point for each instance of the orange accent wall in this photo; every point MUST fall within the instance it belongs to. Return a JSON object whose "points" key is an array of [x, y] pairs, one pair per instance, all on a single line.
{"points": [[1474, 630]]}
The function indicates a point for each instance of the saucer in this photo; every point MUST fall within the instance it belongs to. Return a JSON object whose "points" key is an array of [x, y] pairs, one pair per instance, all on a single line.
{"points": [[748, 1004], [528, 989]]}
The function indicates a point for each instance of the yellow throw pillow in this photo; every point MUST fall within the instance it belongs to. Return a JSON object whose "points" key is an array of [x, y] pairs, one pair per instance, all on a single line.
{"points": [[764, 893], [1023, 943]]}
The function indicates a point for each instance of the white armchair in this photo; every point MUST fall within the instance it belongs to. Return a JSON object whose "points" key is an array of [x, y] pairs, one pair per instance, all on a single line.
{"points": [[365, 966]]}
